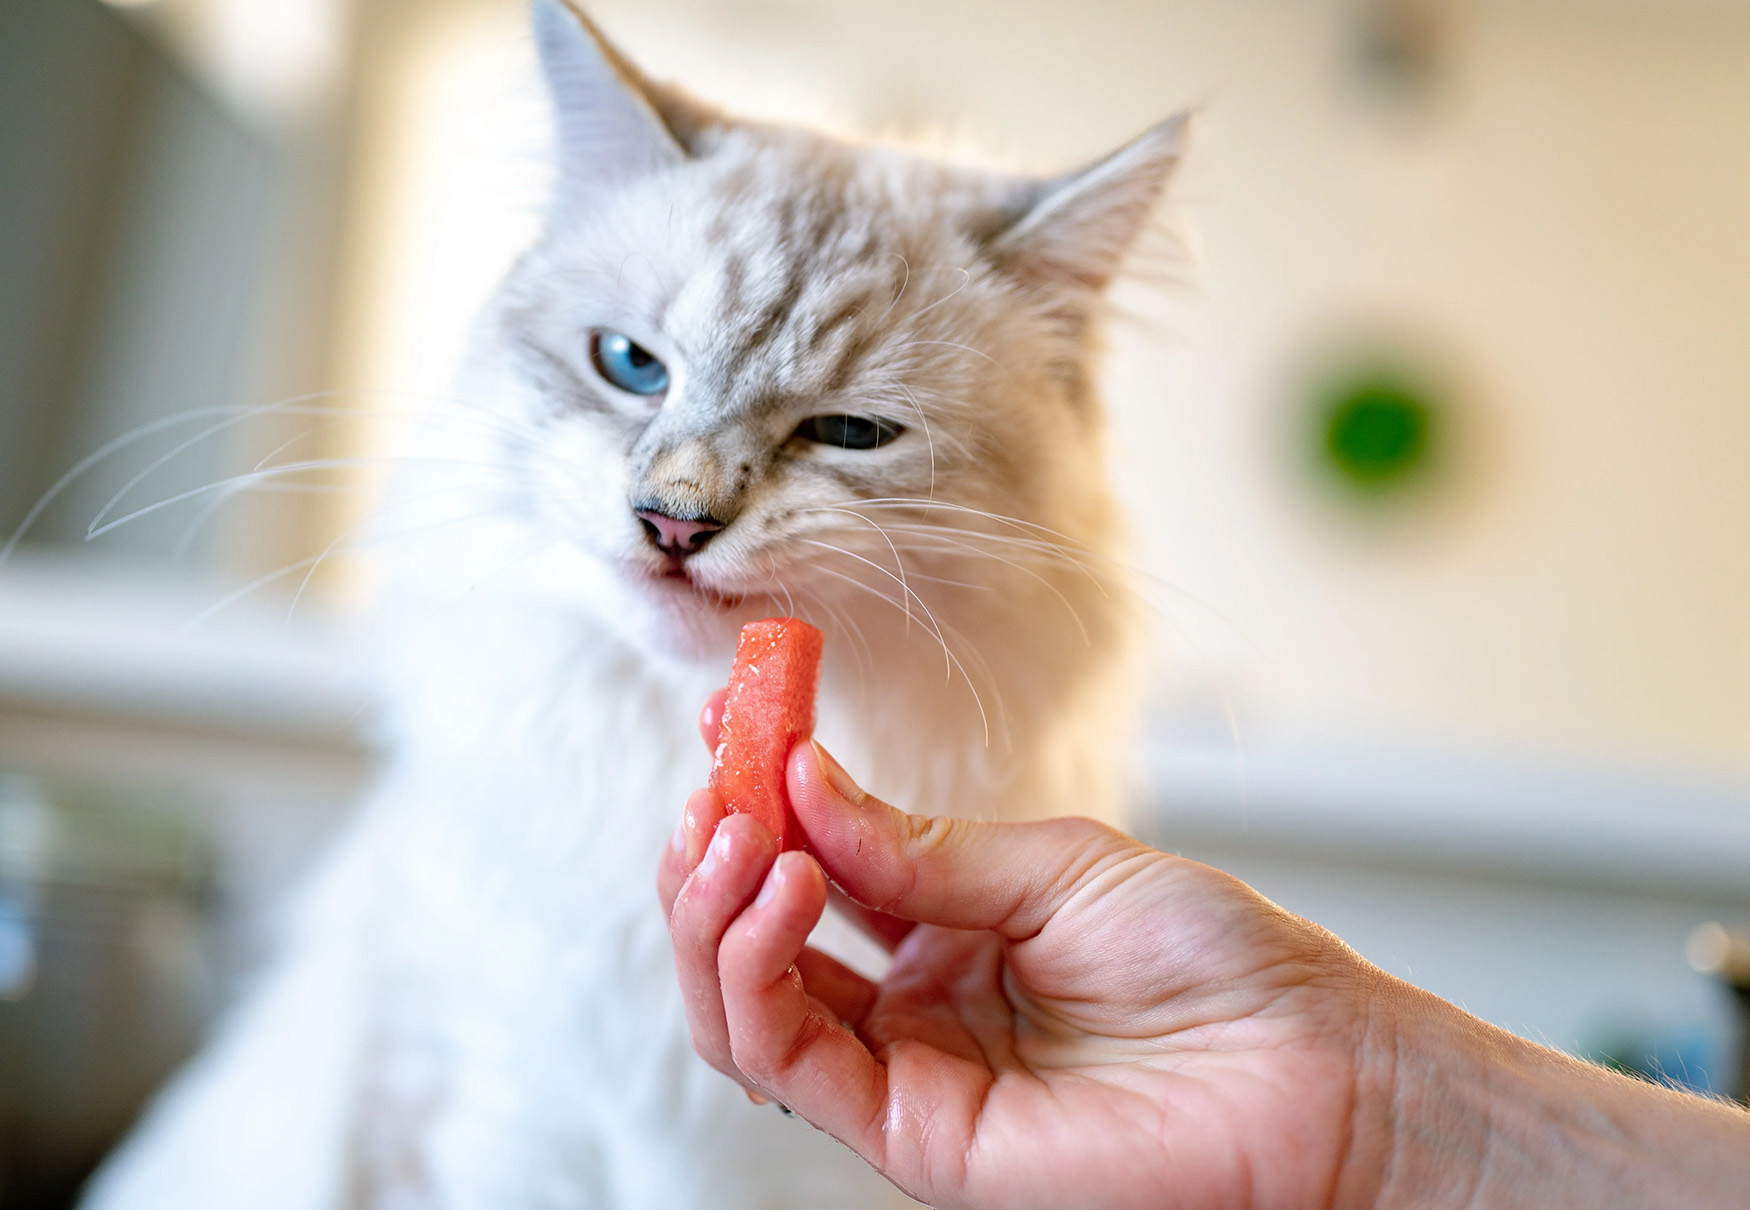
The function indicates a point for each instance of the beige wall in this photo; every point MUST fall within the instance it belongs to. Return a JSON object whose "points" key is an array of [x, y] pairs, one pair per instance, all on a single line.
{"points": [[1564, 227]]}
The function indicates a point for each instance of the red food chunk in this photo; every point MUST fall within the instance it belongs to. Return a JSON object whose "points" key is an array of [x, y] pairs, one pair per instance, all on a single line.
{"points": [[770, 706]]}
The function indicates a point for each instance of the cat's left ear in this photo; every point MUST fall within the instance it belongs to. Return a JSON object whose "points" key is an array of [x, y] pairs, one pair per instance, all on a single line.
{"points": [[613, 122], [1074, 231]]}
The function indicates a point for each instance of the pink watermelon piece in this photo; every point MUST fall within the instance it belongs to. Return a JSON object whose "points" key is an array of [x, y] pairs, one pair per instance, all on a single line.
{"points": [[769, 708]]}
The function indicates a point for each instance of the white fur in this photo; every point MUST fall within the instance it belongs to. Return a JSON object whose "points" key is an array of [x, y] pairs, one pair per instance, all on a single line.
{"points": [[479, 1010]]}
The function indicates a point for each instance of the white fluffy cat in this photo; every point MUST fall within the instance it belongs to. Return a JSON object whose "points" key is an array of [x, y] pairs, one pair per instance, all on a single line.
{"points": [[745, 371]]}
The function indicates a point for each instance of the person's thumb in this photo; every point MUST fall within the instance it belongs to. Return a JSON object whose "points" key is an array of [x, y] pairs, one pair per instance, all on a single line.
{"points": [[1011, 878]]}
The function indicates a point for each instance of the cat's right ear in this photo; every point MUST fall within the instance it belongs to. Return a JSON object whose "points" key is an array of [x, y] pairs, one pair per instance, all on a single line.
{"points": [[613, 123], [1075, 231]]}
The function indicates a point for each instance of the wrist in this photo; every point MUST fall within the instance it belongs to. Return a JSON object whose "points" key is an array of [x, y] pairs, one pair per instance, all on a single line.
{"points": [[1453, 1112]]}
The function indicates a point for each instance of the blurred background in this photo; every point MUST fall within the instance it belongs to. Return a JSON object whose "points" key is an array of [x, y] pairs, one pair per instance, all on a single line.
{"points": [[1435, 432]]}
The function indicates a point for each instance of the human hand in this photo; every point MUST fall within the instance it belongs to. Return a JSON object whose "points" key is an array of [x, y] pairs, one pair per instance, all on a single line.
{"points": [[1076, 1019], [1073, 1018]]}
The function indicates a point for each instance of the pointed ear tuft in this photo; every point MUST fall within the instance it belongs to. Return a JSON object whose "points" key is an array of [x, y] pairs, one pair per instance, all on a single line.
{"points": [[612, 123], [1075, 231]]}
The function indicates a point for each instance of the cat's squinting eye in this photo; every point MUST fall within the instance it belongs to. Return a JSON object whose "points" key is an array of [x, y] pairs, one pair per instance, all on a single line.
{"points": [[848, 432], [627, 364]]}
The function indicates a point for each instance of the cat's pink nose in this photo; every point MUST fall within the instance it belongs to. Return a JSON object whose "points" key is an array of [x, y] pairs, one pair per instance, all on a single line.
{"points": [[678, 536]]}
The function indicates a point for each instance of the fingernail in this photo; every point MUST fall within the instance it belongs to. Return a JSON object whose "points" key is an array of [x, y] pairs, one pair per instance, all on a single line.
{"points": [[695, 846], [836, 777], [715, 852], [756, 1098], [768, 888]]}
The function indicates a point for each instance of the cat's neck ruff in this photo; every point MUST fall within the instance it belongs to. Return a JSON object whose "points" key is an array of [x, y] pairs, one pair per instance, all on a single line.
{"points": [[960, 710]]}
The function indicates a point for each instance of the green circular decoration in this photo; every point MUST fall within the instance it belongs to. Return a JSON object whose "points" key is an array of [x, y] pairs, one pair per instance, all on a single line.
{"points": [[1377, 431]]}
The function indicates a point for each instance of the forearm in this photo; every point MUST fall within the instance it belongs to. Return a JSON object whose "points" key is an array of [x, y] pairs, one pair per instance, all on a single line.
{"points": [[1469, 1116]]}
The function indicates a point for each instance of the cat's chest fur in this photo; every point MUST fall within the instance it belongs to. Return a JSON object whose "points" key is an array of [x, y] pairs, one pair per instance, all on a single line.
{"points": [[527, 1046]]}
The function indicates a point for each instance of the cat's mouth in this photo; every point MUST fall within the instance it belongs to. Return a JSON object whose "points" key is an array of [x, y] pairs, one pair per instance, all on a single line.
{"points": [[677, 579]]}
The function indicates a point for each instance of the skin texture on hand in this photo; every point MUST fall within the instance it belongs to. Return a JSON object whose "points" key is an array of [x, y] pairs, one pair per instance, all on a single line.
{"points": [[1073, 1018]]}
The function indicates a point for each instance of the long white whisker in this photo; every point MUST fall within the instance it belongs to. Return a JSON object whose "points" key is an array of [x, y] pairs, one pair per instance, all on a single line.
{"points": [[965, 280], [210, 509], [983, 665], [898, 563], [999, 518], [906, 281], [1052, 551], [1060, 548], [772, 574], [345, 535], [315, 464], [898, 579], [302, 435], [956, 345], [1125, 576], [848, 624], [789, 599], [259, 582], [182, 447], [1026, 571], [233, 597], [372, 520], [1060, 552], [948, 654], [929, 435], [1049, 551], [944, 581], [293, 406], [92, 459]]}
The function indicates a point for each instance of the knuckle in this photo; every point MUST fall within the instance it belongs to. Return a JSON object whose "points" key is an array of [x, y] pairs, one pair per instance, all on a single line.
{"points": [[928, 835], [755, 1058], [691, 936], [682, 922], [1090, 857], [767, 1060], [922, 837], [1090, 833], [1088, 843]]}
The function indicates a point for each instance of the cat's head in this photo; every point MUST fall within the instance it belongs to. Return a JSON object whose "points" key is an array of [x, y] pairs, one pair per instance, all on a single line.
{"points": [[774, 372]]}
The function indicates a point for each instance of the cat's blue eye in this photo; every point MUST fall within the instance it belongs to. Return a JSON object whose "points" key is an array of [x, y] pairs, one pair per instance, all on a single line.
{"points": [[848, 432], [627, 364]]}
